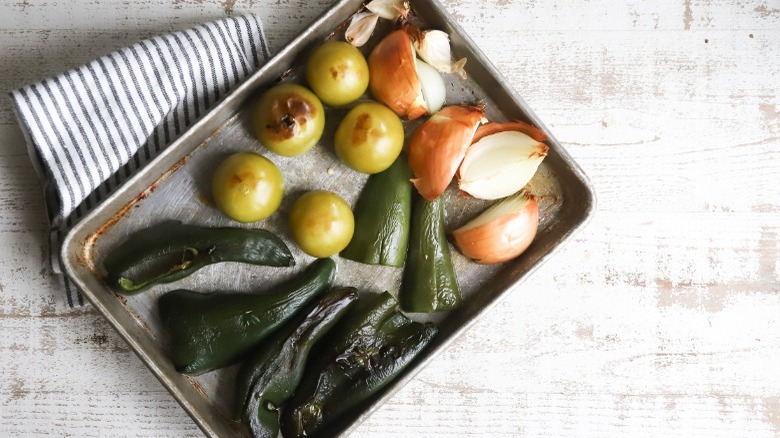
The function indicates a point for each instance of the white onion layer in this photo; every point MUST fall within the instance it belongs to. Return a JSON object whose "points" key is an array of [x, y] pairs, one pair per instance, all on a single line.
{"points": [[500, 164]]}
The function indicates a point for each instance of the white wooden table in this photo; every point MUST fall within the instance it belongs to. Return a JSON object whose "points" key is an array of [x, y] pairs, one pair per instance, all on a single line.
{"points": [[661, 318]]}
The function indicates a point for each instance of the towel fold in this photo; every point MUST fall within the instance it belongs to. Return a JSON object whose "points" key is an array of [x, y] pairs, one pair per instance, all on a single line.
{"points": [[89, 129]]}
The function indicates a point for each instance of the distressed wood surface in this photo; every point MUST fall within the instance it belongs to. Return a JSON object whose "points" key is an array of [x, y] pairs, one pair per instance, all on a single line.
{"points": [[661, 318]]}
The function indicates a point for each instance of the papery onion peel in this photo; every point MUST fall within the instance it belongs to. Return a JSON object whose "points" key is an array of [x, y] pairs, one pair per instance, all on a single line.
{"points": [[502, 232], [437, 147], [393, 75], [493, 127]]}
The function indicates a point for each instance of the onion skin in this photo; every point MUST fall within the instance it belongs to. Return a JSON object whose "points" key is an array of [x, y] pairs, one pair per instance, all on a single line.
{"points": [[437, 147], [503, 237], [525, 128], [393, 76]]}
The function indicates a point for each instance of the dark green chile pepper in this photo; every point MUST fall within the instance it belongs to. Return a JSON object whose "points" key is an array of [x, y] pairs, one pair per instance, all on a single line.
{"points": [[366, 352], [210, 331], [429, 283], [268, 378], [182, 249], [382, 217]]}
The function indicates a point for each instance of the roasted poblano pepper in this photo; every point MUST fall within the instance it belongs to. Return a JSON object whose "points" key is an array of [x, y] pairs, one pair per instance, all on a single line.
{"points": [[268, 378], [362, 355], [429, 283], [382, 217], [177, 250], [210, 331]]}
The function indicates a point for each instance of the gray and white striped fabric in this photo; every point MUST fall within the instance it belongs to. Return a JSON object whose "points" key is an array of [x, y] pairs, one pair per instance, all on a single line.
{"points": [[90, 128]]}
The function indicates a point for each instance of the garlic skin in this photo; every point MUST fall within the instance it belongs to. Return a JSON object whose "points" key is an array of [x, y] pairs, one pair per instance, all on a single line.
{"points": [[389, 9], [437, 147], [360, 28], [500, 164], [502, 232], [433, 46]]}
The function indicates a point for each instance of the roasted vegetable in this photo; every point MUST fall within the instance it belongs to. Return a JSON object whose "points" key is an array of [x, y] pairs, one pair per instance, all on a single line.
{"points": [[429, 283], [210, 331], [382, 217], [176, 250], [269, 377], [364, 353], [502, 232], [437, 147]]}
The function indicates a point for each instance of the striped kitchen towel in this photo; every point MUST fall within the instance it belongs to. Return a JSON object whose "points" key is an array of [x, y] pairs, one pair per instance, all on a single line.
{"points": [[90, 128]]}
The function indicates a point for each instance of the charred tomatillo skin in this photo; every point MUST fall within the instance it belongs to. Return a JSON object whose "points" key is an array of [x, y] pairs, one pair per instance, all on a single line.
{"points": [[268, 378], [321, 223], [382, 217], [192, 248], [365, 353], [210, 331], [429, 283], [288, 119], [337, 72]]}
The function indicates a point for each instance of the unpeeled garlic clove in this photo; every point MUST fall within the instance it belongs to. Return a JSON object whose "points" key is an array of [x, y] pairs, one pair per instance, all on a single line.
{"points": [[360, 28], [433, 46], [389, 9], [502, 232]]}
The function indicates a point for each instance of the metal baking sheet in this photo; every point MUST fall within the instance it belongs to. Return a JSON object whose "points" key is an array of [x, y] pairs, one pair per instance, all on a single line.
{"points": [[177, 186]]}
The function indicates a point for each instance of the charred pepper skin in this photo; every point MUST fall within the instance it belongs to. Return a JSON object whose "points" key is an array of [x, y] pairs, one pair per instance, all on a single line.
{"points": [[268, 378], [198, 247], [382, 217], [364, 354], [429, 283], [210, 331]]}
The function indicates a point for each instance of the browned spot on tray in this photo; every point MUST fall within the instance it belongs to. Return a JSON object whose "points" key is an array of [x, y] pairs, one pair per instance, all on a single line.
{"points": [[197, 386], [121, 299], [203, 200], [98, 339], [85, 257]]}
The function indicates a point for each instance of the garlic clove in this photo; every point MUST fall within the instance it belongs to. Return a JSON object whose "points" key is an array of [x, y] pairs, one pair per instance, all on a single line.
{"points": [[433, 46], [360, 28], [389, 9], [500, 164], [433, 89], [500, 233]]}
